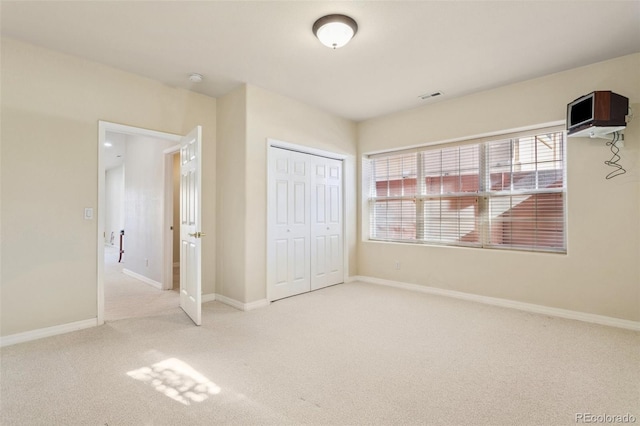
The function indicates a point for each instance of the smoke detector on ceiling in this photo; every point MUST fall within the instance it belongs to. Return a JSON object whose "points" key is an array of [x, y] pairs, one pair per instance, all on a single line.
{"points": [[195, 77]]}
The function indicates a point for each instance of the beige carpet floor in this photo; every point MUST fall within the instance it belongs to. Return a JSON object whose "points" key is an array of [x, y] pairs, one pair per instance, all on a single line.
{"points": [[128, 297], [352, 354]]}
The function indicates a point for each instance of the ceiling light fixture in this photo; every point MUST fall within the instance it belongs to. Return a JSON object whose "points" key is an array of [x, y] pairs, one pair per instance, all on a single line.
{"points": [[335, 31]]}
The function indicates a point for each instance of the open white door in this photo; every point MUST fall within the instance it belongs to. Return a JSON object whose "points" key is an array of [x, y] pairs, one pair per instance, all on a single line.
{"points": [[190, 225]]}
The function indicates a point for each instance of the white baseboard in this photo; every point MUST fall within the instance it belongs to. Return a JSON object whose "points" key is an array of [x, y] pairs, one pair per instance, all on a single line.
{"points": [[234, 303], [40, 333], [208, 297], [229, 301], [144, 279], [506, 303], [240, 305], [257, 304], [93, 322]]}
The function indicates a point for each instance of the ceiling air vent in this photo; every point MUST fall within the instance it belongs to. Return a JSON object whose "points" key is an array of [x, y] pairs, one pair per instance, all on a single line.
{"points": [[430, 95]]}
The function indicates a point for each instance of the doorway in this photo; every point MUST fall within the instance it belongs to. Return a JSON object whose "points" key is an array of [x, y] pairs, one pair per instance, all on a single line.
{"points": [[141, 278]]}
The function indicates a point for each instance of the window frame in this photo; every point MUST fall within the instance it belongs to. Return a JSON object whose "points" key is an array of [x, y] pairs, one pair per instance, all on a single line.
{"points": [[484, 195]]}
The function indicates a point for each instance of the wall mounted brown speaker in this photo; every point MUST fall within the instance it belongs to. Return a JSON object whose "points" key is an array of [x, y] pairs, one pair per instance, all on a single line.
{"points": [[597, 113]]}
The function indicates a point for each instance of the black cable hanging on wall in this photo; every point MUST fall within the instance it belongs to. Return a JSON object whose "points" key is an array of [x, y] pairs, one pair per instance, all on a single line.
{"points": [[619, 170]]}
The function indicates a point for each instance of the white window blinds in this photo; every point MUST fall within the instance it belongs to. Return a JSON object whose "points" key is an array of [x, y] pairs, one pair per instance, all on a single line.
{"points": [[450, 202], [526, 196], [501, 194], [394, 179]]}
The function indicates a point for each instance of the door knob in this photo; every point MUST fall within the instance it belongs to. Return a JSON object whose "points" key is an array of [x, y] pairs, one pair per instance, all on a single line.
{"points": [[197, 234]]}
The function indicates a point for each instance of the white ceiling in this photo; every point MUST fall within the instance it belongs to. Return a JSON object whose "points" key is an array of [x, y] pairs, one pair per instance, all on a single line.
{"points": [[403, 49], [114, 155]]}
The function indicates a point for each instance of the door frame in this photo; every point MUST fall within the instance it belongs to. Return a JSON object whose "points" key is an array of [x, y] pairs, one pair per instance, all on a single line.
{"points": [[168, 233], [275, 143], [167, 276]]}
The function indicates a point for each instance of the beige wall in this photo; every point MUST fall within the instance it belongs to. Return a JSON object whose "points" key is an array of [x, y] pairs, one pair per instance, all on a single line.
{"points": [[274, 116], [50, 107], [247, 117], [231, 169], [600, 274]]}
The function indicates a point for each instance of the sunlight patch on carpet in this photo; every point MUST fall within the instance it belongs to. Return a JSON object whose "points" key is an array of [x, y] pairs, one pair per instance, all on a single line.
{"points": [[177, 380]]}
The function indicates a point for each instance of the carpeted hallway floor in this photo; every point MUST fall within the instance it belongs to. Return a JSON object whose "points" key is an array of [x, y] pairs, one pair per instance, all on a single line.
{"points": [[128, 297], [352, 354]]}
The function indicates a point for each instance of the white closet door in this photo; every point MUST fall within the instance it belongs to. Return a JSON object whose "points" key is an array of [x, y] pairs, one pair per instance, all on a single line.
{"points": [[305, 223], [326, 222], [289, 220]]}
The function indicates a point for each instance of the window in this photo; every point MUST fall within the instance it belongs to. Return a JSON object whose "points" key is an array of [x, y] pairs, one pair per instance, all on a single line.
{"points": [[503, 193]]}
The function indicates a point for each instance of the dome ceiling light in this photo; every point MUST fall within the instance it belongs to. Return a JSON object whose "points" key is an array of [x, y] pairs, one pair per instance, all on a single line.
{"points": [[335, 31]]}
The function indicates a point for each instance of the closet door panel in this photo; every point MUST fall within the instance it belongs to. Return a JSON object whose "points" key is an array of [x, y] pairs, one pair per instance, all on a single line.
{"points": [[326, 223], [288, 252]]}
